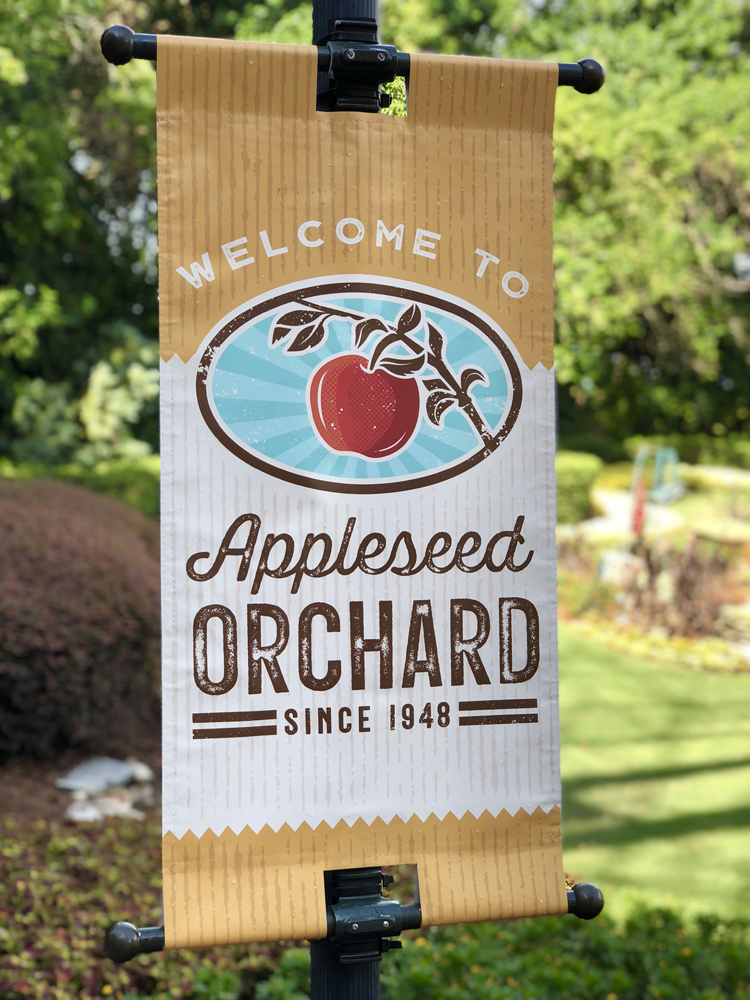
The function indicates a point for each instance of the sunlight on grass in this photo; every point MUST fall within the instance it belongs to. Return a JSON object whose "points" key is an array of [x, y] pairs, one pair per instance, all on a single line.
{"points": [[656, 780]]}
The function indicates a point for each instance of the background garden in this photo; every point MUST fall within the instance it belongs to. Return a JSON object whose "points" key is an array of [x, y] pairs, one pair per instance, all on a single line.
{"points": [[652, 284]]}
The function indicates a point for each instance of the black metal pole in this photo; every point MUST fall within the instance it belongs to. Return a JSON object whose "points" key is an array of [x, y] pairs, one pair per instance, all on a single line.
{"points": [[330, 980], [345, 965], [325, 12], [340, 20]]}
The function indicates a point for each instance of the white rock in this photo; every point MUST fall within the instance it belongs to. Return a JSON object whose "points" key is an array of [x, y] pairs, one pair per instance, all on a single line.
{"points": [[142, 772], [117, 803], [84, 812], [97, 775], [140, 794]]}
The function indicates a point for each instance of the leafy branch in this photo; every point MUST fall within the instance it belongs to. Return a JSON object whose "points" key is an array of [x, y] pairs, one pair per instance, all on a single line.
{"points": [[409, 320], [450, 389], [306, 328]]}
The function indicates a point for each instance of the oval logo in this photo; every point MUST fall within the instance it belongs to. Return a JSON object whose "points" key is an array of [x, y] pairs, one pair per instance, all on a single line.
{"points": [[359, 386]]}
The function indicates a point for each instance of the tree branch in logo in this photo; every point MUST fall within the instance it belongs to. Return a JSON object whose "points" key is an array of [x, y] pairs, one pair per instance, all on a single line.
{"points": [[306, 328]]}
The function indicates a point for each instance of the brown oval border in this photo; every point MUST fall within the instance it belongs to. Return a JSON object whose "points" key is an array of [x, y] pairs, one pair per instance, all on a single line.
{"points": [[356, 287]]}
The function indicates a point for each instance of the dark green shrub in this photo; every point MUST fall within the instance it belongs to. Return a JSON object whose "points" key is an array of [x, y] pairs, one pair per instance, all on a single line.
{"points": [[609, 449], [575, 472], [62, 886], [291, 981], [79, 618], [654, 956], [211, 983]]}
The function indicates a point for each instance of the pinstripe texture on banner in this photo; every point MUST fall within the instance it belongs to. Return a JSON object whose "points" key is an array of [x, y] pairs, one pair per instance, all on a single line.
{"points": [[358, 508]]}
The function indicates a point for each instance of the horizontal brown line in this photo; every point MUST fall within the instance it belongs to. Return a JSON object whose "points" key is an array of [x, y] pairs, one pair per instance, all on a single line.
{"points": [[234, 716], [495, 720], [496, 706], [233, 734]]}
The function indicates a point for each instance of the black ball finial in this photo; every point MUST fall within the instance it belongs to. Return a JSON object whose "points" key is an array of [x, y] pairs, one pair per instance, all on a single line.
{"points": [[593, 76], [124, 941], [117, 44], [585, 901], [121, 942]]}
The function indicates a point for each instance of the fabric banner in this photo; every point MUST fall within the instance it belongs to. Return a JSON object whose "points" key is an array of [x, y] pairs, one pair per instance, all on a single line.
{"points": [[358, 504]]}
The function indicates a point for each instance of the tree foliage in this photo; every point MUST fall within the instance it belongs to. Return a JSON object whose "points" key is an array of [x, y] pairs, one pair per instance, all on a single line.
{"points": [[77, 250], [652, 215]]}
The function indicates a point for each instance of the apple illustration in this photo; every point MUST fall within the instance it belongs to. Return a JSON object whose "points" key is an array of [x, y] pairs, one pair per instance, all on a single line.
{"points": [[368, 413]]}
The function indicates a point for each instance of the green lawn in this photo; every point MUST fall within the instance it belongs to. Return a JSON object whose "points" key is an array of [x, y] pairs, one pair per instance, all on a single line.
{"points": [[656, 780]]}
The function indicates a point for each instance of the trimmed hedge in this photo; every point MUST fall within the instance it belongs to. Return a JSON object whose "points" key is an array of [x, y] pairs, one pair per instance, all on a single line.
{"points": [[134, 481], [698, 449], [731, 449], [575, 472], [79, 619]]}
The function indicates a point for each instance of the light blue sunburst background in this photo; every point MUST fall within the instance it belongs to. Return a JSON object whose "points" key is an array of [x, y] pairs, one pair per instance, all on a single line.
{"points": [[259, 394]]}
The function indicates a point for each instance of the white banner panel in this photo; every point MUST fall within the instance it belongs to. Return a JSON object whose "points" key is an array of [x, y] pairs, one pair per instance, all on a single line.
{"points": [[358, 493]]}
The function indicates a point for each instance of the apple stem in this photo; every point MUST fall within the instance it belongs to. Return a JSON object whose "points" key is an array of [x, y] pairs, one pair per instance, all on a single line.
{"points": [[463, 399], [435, 361]]}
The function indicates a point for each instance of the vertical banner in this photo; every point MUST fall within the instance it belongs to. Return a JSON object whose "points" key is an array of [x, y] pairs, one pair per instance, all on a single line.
{"points": [[358, 506]]}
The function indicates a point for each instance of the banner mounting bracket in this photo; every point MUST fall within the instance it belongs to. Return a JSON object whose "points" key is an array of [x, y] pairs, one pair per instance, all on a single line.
{"points": [[120, 44]]}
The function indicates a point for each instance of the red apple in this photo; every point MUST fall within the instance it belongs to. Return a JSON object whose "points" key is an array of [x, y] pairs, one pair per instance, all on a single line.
{"points": [[369, 413]]}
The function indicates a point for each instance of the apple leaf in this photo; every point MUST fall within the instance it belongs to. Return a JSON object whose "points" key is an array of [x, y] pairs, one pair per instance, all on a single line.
{"points": [[279, 333], [437, 403], [471, 375], [435, 383], [308, 338], [409, 319], [403, 366], [299, 317], [436, 341], [365, 328], [381, 346]]}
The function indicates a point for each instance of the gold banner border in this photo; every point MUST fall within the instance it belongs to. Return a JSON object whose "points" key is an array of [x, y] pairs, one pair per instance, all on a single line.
{"points": [[231, 888]]}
